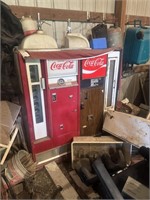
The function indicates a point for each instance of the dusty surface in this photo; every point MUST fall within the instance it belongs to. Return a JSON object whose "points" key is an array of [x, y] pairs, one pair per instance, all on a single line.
{"points": [[41, 186]]}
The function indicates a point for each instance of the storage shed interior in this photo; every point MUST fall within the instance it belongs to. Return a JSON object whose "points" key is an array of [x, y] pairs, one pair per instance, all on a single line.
{"points": [[92, 139]]}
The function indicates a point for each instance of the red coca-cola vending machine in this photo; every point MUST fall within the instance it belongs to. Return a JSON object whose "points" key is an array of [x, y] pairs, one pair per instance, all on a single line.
{"points": [[50, 102], [50, 85]]}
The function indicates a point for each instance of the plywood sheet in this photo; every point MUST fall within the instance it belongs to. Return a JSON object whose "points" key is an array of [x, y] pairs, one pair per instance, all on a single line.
{"points": [[130, 128], [130, 88]]}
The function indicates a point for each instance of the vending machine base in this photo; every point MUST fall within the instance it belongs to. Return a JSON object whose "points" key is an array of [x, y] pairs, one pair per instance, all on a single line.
{"points": [[52, 154]]}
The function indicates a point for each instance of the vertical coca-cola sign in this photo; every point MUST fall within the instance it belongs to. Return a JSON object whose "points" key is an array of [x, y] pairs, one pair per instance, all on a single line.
{"points": [[94, 67]]}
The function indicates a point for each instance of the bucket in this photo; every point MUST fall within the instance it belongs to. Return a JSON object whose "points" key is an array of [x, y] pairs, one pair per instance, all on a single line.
{"points": [[15, 171], [29, 25]]}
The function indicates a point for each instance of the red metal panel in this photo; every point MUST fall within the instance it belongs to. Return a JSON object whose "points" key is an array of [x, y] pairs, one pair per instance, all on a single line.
{"points": [[78, 54], [64, 114]]}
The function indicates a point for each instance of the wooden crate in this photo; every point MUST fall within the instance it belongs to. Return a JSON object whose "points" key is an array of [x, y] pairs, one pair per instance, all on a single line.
{"points": [[89, 146]]}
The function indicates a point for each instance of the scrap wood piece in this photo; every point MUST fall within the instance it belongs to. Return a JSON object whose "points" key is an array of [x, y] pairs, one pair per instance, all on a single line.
{"points": [[144, 82], [130, 128], [14, 134], [145, 107], [136, 190], [148, 116], [68, 192], [87, 190], [141, 68], [144, 111]]}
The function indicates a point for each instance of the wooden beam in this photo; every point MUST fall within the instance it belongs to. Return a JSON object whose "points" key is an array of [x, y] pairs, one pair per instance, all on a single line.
{"points": [[14, 134], [130, 20], [79, 16], [68, 192], [87, 191], [61, 15], [120, 13]]}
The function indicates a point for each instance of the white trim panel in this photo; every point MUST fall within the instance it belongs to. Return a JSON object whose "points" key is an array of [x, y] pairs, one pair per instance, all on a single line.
{"points": [[40, 129]]}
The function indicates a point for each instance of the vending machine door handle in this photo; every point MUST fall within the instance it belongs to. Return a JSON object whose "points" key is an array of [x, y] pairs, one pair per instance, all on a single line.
{"points": [[43, 83]]}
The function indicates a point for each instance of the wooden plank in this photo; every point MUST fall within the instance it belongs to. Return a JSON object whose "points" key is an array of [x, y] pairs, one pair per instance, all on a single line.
{"points": [[60, 14], [145, 107], [135, 189], [59, 178], [148, 116], [120, 13], [130, 20], [144, 82], [130, 128], [3, 145], [87, 190], [14, 134], [74, 15], [141, 68], [92, 139]]}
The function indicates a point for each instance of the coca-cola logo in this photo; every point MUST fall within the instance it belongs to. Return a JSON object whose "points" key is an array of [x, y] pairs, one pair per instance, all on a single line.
{"points": [[94, 67], [94, 62], [62, 65]]}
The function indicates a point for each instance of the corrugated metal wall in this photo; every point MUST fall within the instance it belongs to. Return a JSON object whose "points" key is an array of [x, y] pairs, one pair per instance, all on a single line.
{"points": [[134, 7], [138, 7], [58, 29]]}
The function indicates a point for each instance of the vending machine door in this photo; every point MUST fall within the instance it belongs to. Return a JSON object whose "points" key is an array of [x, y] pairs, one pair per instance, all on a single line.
{"points": [[64, 114], [91, 113], [63, 92]]}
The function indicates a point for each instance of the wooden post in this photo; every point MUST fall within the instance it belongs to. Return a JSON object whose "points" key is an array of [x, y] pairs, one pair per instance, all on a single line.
{"points": [[120, 13]]}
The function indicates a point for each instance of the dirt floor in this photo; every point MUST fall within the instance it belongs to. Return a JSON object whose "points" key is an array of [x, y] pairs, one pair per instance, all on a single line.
{"points": [[40, 186]]}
